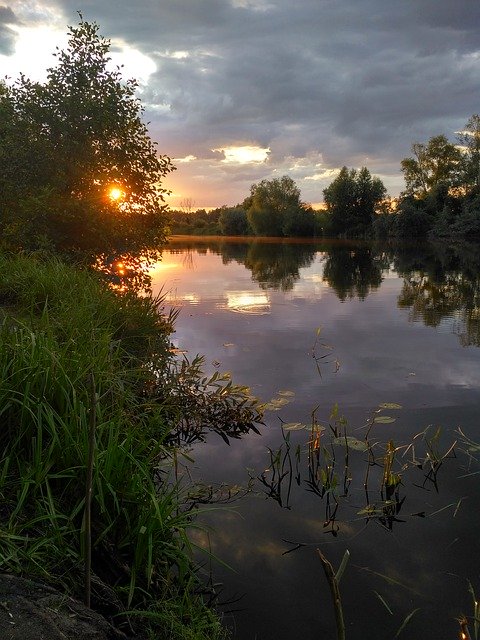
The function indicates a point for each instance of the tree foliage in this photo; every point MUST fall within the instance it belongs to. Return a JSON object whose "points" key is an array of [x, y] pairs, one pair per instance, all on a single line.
{"points": [[352, 199], [233, 221], [469, 139], [438, 161], [65, 143], [442, 187], [274, 208]]}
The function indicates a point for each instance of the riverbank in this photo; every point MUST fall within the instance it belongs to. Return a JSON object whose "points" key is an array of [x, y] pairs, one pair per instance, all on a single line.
{"points": [[94, 409]]}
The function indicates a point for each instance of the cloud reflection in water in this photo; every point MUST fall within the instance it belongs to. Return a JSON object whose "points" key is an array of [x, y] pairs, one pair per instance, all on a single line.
{"points": [[246, 302]]}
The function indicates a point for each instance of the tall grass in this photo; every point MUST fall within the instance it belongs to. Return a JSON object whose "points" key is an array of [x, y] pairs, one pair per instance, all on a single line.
{"points": [[83, 371]]}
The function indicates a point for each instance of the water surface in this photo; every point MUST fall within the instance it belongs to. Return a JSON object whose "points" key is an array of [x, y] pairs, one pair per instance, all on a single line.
{"points": [[355, 325]]}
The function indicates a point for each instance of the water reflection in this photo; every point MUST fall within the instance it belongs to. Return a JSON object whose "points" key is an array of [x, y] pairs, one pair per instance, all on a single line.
{"points": [[423, 540], [351, 269], [273, 265], [243, 302], [441, 284], [276, 266], [354, 271]]}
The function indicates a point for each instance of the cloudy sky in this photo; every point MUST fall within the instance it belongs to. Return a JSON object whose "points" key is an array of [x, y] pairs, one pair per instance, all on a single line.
{"points": [[241, 90]]}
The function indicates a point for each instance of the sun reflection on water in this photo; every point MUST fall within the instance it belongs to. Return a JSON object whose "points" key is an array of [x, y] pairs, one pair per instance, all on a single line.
{"points": [[246, 302]]}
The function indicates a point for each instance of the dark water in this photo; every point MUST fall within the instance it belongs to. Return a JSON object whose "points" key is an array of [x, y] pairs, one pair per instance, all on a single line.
{"points": [[355, 325]]}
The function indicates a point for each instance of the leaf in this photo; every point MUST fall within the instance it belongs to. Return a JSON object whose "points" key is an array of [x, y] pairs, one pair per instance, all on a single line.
{"points": [[294, 426], [279, 402], [369, 510], [269, 406], [383, 601], [405, 622], [384, 419], [390, 405], [288, 394], [343, 564], [351, 443]]}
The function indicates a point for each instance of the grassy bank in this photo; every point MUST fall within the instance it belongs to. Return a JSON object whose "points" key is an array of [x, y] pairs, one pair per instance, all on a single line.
{"points": [[93, 408]]}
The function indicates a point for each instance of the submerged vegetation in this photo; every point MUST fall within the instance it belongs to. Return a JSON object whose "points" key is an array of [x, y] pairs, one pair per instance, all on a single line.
{"points": [[363, 479]]}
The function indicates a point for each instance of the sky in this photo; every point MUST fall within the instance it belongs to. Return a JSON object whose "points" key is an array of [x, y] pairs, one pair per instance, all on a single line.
{"points": [[237, 91]]}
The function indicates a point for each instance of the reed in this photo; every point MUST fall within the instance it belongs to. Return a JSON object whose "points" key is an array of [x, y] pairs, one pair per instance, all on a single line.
{"points": [[87, 480]]}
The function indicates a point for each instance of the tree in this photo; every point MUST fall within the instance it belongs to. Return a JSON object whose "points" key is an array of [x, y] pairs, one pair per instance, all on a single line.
{"points": [[78, 170], [352, 199], [233, 221], [299, 221], [439, 161], [412, 219], [469, 139], [274, 206]]}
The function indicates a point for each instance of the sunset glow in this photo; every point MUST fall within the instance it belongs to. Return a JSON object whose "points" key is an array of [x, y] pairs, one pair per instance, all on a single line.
{"points": [[115, 194]]}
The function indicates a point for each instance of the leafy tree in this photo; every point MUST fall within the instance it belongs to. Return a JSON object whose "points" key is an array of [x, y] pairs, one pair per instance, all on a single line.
{"points": [[299, 221], [412, 219], [438, 161], [66, 143], [274, 209], [352, 199], [233, 221], [322, 223], [469, 139]]}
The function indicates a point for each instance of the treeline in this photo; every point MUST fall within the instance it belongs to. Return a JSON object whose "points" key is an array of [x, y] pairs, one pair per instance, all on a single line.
{"points": [[442, 195], [441, 199], [273, 208]]}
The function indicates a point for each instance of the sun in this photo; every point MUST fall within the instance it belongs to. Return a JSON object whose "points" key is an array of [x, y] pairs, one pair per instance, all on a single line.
{"points": [[115, 194]]}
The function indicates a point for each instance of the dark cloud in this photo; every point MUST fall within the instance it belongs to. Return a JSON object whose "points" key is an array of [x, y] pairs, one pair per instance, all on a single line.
{"points": [[356, 82], [7, 35]]}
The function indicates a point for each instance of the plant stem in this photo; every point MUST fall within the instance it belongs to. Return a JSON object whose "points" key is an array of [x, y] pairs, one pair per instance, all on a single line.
{"points": [[335, 591], [88, 492]]}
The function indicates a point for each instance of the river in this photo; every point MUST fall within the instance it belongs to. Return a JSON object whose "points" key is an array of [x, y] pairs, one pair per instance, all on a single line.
{"points": [[329, 332]]}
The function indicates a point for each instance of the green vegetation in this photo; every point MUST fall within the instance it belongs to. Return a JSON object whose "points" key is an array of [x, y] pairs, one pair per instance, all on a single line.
{"points": [[442, 197], [87, 372], [233, 221], [199, 222], [96, 408], [434, 163], [65, 144], [274, 209], [352, 200], [441, 200]]}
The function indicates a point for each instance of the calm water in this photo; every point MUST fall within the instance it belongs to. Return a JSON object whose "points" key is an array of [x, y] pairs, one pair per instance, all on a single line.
{"points": [[396, 326]]}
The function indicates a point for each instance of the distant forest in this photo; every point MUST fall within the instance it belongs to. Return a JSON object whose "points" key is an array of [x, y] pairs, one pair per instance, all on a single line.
{"points": [[441, 199]]}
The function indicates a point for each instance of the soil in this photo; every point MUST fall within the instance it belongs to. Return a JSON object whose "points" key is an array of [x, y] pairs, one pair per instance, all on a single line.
{"points": [[32, 611]]}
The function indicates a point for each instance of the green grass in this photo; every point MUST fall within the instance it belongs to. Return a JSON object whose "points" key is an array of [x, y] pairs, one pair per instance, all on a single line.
{"points": [[85, 371]]}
